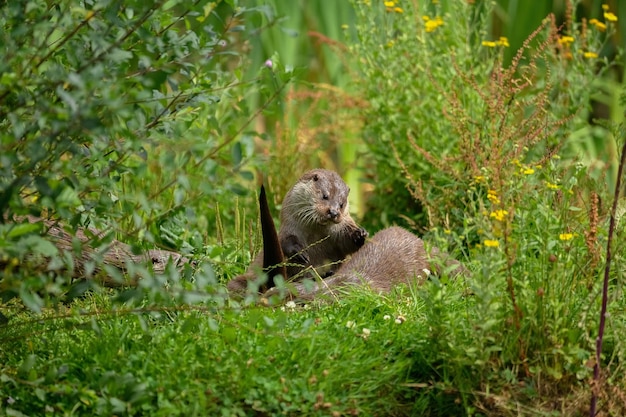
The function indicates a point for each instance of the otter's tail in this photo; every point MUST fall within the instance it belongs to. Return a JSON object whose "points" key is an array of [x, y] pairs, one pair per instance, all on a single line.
{"points": [[273, 257]]}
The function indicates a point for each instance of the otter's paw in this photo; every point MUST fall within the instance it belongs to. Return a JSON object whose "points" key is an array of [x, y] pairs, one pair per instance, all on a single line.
{"points": [[358, 236], [300, 258]]}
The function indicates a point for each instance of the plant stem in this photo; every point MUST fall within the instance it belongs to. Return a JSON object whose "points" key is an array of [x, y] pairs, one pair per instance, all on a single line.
{"points": [[605, 287]]}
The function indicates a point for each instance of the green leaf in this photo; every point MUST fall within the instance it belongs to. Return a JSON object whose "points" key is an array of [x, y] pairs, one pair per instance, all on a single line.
{"points": [[68, 198], [14, 413], [229, 334], [32, 300], [39, 245], [21, 229]]}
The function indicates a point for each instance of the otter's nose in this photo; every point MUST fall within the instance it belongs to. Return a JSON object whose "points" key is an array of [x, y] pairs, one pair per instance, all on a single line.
{"points": [[333, 214]]}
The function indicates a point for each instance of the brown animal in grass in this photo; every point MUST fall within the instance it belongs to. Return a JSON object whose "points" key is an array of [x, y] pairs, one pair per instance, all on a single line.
{"points": [[317, 232], [393, 256]]}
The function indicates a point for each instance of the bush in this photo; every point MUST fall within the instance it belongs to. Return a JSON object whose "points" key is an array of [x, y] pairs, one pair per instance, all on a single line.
{"points": [[444, 110], [127, 117]]}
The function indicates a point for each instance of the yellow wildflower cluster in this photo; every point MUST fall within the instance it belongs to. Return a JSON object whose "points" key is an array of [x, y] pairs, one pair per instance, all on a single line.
{"points": [[566, 236], [590, 55], [524, 169], [566, 40], [599, 25], [492, 195], [499, 215], [551, 186], [432, 24], [491, 243], [609, 16], [392, 6], [503, 41]]}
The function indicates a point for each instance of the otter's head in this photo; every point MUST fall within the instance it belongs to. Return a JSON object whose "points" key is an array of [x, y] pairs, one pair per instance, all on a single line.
{"points": [[320, 197]]}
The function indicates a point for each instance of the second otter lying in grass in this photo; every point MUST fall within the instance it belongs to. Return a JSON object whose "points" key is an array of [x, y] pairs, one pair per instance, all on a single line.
{"points": [[393, 256]]}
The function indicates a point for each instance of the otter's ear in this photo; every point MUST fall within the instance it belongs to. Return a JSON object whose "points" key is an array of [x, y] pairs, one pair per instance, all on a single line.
{"points": [[273, 258]]}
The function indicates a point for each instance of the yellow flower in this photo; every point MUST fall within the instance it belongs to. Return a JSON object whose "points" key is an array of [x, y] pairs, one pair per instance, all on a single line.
{"points": [[493, 196], [552, 186], [605, 7], [345, 27], [527, 171], [398, 10], [432, 24], [446, 231], [491, 243], [390, 3], [590, 55], [503, 41], [479, 178], [610, 17], [599, 25], [566, 40], [566, 236], [499, 214]]}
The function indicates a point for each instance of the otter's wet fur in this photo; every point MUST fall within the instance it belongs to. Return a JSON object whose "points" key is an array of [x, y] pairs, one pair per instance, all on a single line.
{"points": [[317, 232]]}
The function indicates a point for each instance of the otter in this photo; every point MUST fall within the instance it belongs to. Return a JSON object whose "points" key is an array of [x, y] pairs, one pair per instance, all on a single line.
{"points": [[393, 256], [317, 232]]}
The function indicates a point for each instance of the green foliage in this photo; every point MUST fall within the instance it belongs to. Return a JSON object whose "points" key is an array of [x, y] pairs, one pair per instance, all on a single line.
{"points": [[444, 109], [136, 119], [342, 359], [130, 117]]}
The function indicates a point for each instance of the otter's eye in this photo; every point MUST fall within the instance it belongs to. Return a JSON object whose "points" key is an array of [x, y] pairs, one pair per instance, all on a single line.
{"points": [[325, 196], [341, 205]]}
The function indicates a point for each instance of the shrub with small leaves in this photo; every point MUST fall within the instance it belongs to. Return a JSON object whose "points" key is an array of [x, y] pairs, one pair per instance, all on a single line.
{"points": [[129, 118]]}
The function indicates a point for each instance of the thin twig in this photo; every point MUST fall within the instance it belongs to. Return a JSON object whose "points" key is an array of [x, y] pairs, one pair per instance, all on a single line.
{"points": [[605, 287]]}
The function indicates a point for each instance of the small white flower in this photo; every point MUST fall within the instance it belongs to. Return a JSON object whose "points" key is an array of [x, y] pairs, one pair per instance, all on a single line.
{"points": [[290, 305], [350, 324], [366, 332], [386, 317], [426, 271], [400, 319]]}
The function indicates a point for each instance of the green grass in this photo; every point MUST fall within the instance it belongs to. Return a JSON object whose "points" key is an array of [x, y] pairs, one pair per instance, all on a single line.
{"points": [[366, 355], [446, 348]]}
